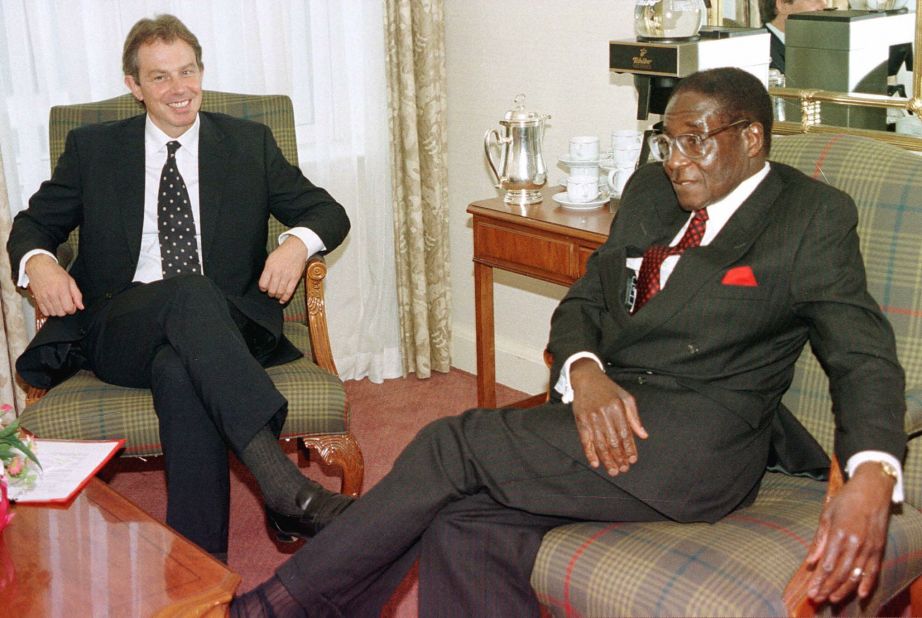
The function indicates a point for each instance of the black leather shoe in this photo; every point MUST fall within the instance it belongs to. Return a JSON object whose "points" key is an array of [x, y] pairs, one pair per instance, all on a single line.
{"points": [[318, 508]]}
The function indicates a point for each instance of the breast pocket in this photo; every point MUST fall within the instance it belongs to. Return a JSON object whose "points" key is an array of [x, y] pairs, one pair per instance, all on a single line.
{"points": [[742, 283]]}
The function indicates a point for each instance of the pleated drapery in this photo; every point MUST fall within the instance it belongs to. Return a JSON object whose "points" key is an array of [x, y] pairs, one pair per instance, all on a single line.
{"points": [[13, 333], [414, 31]]}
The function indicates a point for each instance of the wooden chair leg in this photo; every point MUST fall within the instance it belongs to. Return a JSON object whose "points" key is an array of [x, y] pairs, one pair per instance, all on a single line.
{"points": [[342, 451]]}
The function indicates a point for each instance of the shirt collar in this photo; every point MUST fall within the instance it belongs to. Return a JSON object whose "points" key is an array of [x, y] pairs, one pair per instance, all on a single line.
{"points": [[774, 30], [724, 208], [155, 139]]}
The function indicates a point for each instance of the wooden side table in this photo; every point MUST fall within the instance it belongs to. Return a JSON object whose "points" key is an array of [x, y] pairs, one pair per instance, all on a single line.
{"points": [[103, 556], [544, 241]]}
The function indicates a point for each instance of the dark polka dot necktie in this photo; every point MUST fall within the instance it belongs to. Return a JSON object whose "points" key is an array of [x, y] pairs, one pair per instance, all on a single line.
{"points": [[178, 249], [648, 279]]}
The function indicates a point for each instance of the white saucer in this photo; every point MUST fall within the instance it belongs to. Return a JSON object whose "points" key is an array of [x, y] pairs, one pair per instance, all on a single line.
{"points": [[566, 160], [564, 200]]}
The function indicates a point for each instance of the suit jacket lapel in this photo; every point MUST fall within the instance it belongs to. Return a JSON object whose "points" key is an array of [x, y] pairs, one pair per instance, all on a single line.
{"points": [[701, 264], [666, 221], [212, 166], [129, 180]]}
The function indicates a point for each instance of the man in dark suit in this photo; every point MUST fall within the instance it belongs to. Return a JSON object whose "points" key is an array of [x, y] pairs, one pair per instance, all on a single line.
{"points": [[671, 356], [197, 331], [774, 14]]}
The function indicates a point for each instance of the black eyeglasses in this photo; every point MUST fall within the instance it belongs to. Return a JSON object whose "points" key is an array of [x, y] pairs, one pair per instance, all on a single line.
{"points": [[692, 145]]}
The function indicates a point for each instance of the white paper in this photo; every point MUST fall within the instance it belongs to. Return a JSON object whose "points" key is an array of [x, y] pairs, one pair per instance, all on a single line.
{"points": [[66, 465]]}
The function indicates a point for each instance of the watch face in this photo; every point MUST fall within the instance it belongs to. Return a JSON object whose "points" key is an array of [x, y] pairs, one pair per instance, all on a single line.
{"points": [[889, 470]]}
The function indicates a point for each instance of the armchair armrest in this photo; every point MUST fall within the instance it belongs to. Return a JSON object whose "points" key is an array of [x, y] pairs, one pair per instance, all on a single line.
{"points": [[314, 275], [795, 594]]}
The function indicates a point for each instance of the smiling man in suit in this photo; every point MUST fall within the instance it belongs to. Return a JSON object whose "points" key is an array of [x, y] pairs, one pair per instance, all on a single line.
{"points": [[671, 357], [172, 288]]}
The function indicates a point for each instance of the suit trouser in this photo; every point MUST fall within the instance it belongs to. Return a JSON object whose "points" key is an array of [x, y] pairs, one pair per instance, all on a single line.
{"points": [[178, 337], [471, 496]]}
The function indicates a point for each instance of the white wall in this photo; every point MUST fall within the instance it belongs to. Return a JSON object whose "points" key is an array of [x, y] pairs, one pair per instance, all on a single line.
{"points": [[556, 52]]}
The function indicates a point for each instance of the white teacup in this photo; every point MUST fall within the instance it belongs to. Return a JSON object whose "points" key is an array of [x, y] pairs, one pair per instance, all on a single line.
{"points": [[585, 170], [626, 139], [581, 190], [626, 157], [584, 148], [617, 177]]}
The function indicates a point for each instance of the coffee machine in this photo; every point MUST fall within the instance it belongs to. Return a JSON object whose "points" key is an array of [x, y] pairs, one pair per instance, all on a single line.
{"points": [[848, 51], [657, 66]]}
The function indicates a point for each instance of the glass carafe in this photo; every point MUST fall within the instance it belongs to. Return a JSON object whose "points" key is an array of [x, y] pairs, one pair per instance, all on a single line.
{"points": [[668, 20]]}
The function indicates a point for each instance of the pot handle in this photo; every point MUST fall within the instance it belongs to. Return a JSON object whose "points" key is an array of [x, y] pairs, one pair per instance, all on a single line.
{"points": [[491, 141]]}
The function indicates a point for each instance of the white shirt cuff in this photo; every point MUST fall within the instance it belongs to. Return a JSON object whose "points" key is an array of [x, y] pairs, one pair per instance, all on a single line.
{"points": [[23, 280], [307, 236], [563, 385], [865, 456]]}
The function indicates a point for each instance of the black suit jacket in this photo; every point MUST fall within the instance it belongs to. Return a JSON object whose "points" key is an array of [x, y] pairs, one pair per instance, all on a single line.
{"points": [[98, 185], [708, 361], [776, 51]]}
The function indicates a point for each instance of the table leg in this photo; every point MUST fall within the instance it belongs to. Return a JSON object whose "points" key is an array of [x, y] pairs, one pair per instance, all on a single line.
{"points": [[486, 343]]}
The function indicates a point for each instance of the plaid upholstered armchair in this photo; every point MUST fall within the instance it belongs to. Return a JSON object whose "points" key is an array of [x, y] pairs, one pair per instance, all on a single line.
{"points": [[83, 407], [742, 565]]}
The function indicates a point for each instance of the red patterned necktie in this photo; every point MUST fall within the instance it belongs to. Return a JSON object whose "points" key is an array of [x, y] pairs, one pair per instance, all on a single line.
{"points": [[648, 279]]}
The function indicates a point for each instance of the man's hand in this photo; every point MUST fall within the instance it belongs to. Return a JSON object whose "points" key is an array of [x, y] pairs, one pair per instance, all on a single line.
{"points": [[606, 418], [849, 544], [54, 290], [283, 270]]}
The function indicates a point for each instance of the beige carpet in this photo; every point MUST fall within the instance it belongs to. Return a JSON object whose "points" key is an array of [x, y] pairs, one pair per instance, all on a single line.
{"points": [[383, 423]]}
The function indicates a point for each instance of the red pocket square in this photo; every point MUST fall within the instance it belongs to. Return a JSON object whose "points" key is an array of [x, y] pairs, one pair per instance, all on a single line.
{"points": [[741, 275]]}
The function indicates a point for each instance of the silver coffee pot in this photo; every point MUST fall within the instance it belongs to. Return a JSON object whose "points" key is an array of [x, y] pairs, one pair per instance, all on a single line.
{"points": [[520, 170]]}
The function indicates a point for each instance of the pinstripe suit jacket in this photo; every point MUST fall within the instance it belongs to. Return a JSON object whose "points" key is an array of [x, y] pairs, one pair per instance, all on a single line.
{"points": [[708, 360]]}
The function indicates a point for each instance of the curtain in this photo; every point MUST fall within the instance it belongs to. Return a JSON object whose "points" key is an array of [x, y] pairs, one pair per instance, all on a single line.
{"points": [[416, 103], [327, 55], [13, 331]]}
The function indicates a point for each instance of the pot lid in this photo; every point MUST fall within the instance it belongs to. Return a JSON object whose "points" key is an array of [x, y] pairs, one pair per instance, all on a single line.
{"points": [[519, 114]]}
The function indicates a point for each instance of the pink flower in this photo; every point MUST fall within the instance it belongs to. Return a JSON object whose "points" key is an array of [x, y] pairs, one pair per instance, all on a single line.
{"points": [[15, 467]]}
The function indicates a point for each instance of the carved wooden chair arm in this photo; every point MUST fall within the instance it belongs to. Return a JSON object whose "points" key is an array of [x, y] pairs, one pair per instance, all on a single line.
{"points": [[314, 275]]}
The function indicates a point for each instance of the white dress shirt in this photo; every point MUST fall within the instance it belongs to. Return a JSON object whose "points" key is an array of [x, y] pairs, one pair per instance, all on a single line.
{"points": [[718, 215]]}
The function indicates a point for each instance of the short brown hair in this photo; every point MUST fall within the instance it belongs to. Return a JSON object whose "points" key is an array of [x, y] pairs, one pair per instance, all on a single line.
{"points": [[166, 28]]}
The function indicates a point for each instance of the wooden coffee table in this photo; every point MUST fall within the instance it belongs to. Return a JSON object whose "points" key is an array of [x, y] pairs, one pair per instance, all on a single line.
{"points": [[102, 555]]}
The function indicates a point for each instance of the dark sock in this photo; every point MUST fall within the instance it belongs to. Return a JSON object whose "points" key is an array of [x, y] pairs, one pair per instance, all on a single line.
{"points": [[270, 600], [278, 477], [219, 555]]}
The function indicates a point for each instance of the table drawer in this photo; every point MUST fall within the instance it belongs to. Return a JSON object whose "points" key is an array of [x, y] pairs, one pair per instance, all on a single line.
{"points": [[584, 253], [524, 252]]}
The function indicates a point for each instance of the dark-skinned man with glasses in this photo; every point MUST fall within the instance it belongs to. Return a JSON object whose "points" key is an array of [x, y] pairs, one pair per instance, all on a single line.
{"points": [[670, 356]]}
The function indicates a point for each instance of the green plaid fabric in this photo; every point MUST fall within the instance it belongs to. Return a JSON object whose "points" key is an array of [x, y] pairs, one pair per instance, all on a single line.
{"points": [[83, 407], [740, 566]]}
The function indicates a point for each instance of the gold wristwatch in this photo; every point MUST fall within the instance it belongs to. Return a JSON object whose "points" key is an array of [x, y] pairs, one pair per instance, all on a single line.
{"points": [[889, 470]]}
